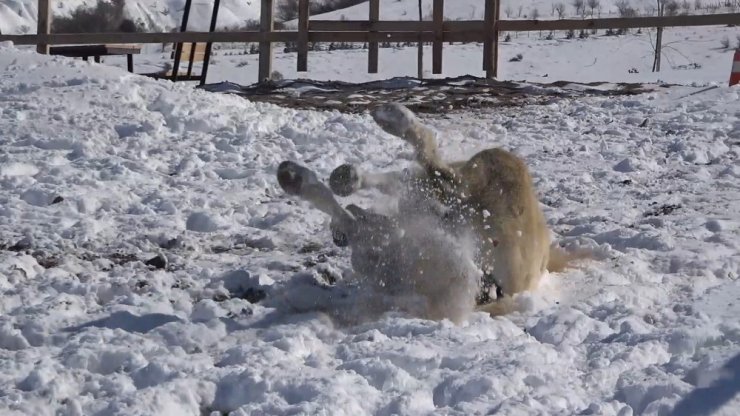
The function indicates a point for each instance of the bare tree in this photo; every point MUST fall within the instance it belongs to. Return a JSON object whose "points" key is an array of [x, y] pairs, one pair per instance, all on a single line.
{"points": [[535, 14], [593, 5], [508, 11], [579, 6], [625, 9], [560, 10], [103, 17], [287, 10], [671, 8]]}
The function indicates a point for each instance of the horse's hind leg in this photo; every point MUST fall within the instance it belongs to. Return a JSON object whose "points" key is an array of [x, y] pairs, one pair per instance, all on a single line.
{"points": [[302, 182], [399, 121]]}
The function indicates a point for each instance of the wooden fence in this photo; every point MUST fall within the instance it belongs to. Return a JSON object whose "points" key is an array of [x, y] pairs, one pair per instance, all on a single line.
{"points": [[372, 31]]}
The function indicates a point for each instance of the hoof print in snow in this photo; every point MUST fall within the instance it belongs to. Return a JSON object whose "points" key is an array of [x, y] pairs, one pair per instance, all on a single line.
{"points": [[201, 222], [263, 243], [253, 295], [121, 258], [240, 284], [44, 260], [21, 245], [310, 248], [664, 209], [57, 200], [327, 276], [158, 262], [321, 258], [220, 297]]}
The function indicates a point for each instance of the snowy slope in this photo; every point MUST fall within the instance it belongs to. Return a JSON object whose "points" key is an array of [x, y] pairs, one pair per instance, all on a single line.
{"points": [[19, 16], [101, 170], [474, 9]]}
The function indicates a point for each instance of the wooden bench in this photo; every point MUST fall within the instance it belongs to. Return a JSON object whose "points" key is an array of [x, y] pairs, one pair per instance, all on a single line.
{"points": [[198, 52], [96, 51]]}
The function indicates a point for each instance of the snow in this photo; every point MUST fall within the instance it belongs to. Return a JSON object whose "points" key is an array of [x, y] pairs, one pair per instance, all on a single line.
{"points": [[102, 170], [20, 16], [693, 58]]}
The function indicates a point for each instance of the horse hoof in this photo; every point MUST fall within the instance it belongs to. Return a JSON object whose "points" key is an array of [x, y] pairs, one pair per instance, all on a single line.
{"points": [[344, 180]]}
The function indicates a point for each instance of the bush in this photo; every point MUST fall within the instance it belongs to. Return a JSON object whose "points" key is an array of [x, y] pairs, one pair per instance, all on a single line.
{"points": [[288, 9], [624, 9], [104, 17]]}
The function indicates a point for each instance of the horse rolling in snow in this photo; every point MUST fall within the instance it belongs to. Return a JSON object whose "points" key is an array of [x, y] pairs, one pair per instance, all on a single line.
{"points": [[490, 196], [412, 265]]}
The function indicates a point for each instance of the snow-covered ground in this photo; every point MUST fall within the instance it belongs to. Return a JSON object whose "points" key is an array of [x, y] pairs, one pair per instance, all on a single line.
{"points": [[691, 56], [101, 170]]}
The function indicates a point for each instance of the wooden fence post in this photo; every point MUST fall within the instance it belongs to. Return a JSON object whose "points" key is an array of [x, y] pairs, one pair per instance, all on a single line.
{"points": [[302, 35], [490, 45], [496, 19], [44, 26], [420, 50], [438, 17], [372, 47], [267, 25], [488, 41]]}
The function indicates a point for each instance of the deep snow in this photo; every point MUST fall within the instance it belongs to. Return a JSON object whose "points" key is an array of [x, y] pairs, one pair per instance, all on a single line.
{"points": [[101, 170]]}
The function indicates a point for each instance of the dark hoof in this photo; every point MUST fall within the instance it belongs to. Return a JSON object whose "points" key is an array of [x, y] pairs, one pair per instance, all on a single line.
{"points": [[344, 180], [357, 212], [290, 176], [338, 234], [340, 239], [487, 284]]}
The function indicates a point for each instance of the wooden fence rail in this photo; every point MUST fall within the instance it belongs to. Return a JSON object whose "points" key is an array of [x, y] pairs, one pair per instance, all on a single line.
{"points": [[372, 31]]}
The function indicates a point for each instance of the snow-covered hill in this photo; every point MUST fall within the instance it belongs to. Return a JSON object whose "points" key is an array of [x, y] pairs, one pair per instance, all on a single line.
{"points": [[474, 9], [19, 16], [101, 171]]}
